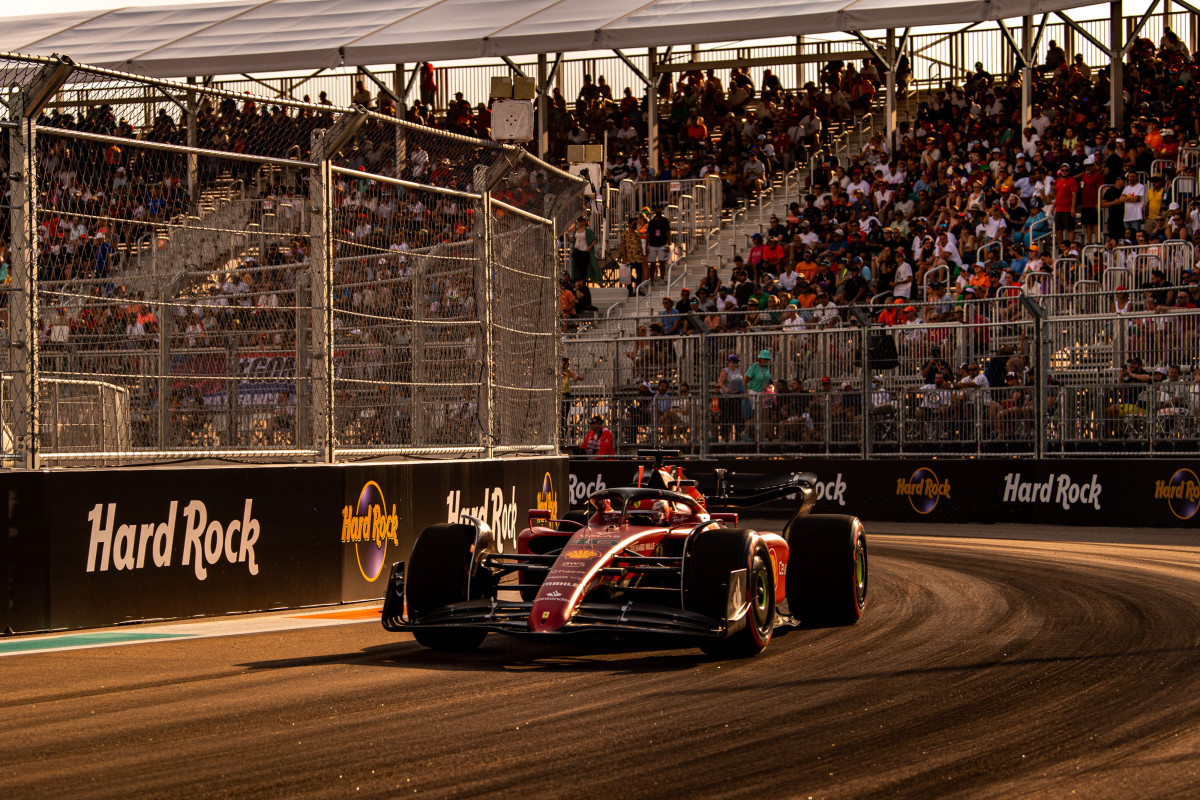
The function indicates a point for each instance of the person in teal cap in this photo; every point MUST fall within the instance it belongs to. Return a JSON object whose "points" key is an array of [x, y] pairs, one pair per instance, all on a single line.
{"points": [[758, 378]]}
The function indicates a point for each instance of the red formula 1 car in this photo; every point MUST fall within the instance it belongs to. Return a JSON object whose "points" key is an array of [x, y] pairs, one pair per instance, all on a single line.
{"points": [[649, 559]]}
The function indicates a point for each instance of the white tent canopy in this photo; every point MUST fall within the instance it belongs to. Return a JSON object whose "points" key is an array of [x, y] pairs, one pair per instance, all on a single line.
{"points": [[247, 36]]}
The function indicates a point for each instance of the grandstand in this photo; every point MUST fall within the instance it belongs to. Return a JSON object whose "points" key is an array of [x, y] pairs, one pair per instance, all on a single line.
{"points": [[1056, 301]]}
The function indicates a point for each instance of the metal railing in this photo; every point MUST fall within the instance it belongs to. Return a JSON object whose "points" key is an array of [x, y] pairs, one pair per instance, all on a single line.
{"points": [[1055, 386]]}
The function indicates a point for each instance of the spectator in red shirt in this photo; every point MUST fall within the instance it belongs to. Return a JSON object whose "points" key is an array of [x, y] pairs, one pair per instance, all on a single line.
{"points": [[1089, 198], [599, 440], [1066, 191]]}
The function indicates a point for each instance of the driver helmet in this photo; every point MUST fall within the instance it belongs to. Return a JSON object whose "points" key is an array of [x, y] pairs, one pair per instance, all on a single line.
{"points": [[661, 512]]}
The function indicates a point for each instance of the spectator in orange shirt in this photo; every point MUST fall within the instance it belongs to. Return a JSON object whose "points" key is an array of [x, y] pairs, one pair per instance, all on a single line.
{"points": [[980, 280], [806, 266]]}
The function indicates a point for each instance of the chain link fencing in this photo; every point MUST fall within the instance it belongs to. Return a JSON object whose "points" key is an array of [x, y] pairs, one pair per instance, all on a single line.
{"points": [[230, 276]]}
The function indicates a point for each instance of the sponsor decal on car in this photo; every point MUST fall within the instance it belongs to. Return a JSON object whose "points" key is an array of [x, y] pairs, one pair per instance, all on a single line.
{"points": [[1057, 489], [370, 527], [126, 546], [923, 490], [581, 553], [1182, 493]]}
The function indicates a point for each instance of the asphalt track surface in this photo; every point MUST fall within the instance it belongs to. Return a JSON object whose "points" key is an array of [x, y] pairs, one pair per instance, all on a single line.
{"points": [[989, 665]]}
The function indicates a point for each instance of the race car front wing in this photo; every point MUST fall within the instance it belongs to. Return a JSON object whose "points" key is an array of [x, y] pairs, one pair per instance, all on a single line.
{"points": [[512, 616]]}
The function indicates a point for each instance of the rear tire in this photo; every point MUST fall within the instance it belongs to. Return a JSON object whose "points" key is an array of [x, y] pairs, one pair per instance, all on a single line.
{"points": [[710, 558], [440, 573], [827, 569]]}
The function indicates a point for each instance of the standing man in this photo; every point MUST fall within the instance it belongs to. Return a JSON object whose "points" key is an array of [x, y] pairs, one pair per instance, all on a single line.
{"points": [[1066, 194], [1113, 200], [658, 241], [1089, 199], [1134, 198], [599, 440]]}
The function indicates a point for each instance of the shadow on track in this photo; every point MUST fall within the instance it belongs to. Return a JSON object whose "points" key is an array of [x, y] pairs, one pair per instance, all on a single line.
{"points": [[503, 654]]}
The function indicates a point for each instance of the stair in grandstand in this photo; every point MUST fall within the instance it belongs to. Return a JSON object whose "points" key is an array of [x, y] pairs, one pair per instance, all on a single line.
{"points": [[618, 313], [221, 234]]}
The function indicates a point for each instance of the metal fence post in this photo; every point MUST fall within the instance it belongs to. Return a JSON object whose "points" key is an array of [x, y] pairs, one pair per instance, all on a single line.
{"points": [[1041, 364], [483, 252], [24, 323], [24, 312], [325, 145], [301, 389], [321, 294]]}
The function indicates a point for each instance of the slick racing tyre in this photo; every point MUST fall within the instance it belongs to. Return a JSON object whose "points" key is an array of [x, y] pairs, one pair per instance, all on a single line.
{"points": [[440, 573], [711, 558], [827, 569]]}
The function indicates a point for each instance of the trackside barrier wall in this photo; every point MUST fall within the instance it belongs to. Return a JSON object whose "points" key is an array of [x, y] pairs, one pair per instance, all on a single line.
{"points": [[1159, 493], [86, 549]]}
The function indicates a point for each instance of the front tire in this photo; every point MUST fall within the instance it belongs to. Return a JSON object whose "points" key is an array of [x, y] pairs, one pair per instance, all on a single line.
{"points": [[440, 572], [711, 558], [827, 570]]}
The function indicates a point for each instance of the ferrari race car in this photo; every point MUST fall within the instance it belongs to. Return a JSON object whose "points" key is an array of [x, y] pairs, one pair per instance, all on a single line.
{"points": [[645, 560]]}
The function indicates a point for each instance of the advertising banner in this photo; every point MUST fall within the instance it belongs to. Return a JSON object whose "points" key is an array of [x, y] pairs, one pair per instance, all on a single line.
{"points": [[154, 543], [386, 507], [98, 547], [1158, 492]]}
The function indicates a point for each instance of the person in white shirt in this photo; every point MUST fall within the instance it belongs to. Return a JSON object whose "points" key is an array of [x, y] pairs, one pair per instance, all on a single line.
{"points": [[903, 281], [787, 278], [995, 224], [824, 310], [1134, 198], [1030, 142]]}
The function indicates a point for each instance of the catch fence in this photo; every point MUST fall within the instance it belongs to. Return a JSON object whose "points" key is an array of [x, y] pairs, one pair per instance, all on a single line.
{"points": [[264, 280], [1052, 385]]}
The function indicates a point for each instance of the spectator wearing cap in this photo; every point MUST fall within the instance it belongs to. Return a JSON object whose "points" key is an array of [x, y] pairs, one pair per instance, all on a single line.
{"points": [[1066, 198], [754, 259], [824, 310], [773, 255], [1090, 183], [598, 441], [965, 401], [684, 306], [1113, 201], [658, 242], [882, 404], [1132, 399], [854, 288]]}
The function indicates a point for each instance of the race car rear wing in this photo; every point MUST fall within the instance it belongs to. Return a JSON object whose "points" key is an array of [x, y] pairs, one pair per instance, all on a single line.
{"points": [[798, 485]]}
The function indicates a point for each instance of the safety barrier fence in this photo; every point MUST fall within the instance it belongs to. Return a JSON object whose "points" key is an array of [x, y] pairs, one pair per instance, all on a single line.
{"points": [[221, 540], [264, 280], [1051, 386]]}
